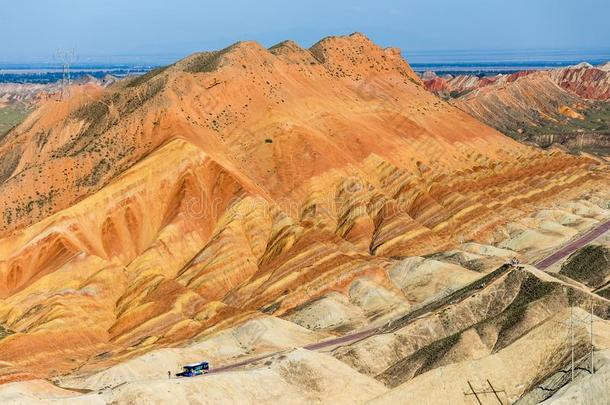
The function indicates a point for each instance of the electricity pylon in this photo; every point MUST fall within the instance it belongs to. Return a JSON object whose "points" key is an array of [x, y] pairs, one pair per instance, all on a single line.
{"points": [[66, 58]]}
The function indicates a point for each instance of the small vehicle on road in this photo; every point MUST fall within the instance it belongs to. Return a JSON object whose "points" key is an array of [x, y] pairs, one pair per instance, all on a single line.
{"points": [[514, 261], [195, 369]]}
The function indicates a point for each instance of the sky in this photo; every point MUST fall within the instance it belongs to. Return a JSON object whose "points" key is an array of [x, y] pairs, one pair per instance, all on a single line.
{"points": [[156, 30]]}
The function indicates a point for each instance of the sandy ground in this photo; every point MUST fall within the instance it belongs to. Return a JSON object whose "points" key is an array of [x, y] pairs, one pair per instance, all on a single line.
{"points": [[329, 312], [414, 281], [262, 335], [301, 377], [297, 377], [423, 280]]}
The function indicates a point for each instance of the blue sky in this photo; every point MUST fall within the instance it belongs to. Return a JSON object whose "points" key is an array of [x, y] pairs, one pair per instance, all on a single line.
{"points": [[31, 30]]}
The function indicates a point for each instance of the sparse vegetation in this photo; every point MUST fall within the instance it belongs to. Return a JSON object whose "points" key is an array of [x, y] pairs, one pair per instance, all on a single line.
{"points": [[147, 76], [591, 134], [4, 332], [205, 61], [9, 162], [589, 265], [10, 116]]}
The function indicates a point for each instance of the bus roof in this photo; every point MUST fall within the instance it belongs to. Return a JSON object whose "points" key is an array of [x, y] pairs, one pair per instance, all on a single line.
{"points": [[201, 363]]}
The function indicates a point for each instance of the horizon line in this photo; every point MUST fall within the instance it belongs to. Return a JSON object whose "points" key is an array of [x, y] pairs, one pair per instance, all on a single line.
{"points": [[159, 58]]}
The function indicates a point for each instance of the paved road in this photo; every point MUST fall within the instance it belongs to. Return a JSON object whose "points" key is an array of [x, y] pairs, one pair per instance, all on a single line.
{"points": [[392, 325], [354, 337], [456, 296], [241, 363], [573, 246]]}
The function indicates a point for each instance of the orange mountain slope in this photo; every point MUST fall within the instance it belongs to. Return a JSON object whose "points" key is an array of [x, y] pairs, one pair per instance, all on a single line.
{"points": [[236, 182]]}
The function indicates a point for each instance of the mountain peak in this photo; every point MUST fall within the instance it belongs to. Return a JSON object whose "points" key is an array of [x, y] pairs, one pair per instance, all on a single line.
{"points": [[582, 65], [285, 46], [355, 56], [233, 54], [605, 67]]}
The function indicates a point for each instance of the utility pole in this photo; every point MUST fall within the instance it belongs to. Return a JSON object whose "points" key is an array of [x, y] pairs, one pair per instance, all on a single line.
{"points": [[591, 347], [473, 392], [479, 394], [573, 322], [495, 392], [591, 336], [572, 338]]}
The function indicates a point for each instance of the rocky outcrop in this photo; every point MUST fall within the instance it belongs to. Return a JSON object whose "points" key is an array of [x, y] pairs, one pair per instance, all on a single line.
{"points": [[587, 81], [594, 142]]}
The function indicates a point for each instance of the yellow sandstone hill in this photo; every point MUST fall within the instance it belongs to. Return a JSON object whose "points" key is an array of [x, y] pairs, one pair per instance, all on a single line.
{"points": [[236, 182]]}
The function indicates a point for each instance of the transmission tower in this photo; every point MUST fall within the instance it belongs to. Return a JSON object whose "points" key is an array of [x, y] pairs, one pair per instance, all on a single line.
{"points": [[66, 57], [575, 364], [573, 321]]}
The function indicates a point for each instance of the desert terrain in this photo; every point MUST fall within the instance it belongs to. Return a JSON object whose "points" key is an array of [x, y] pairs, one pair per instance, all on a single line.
{"points": [[315, 223]]}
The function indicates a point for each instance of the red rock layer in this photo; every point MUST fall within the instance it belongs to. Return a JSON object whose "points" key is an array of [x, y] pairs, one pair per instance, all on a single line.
{"points": [[583, 80]]}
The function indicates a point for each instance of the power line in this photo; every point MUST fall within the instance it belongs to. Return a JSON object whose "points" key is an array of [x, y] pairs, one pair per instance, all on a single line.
{"points": [[568, 332], [575, 364], [591, 336], [572, 338]]}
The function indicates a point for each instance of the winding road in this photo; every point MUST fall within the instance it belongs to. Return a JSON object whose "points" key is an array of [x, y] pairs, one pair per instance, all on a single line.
{"points": [[456, 296]]}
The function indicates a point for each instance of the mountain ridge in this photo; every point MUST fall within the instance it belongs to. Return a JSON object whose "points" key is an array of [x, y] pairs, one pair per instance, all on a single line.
{"points": [[176, 204]]}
